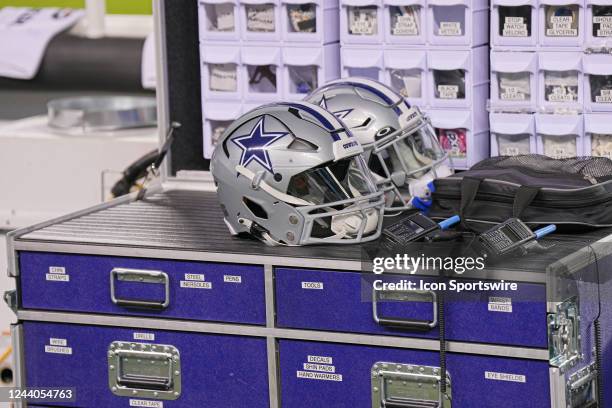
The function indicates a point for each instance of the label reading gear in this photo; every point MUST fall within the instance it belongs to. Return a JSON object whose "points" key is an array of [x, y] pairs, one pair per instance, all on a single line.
{"points": [[500, 304], [146, 403], [518, 378]]}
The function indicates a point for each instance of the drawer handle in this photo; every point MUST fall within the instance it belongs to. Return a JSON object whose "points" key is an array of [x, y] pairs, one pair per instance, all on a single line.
{"points": [[409, 324], [141, 276], [146, 370]]}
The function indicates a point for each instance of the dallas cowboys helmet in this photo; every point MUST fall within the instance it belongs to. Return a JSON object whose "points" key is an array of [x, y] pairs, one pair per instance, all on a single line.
{"points": [[400, 145], [293, 174]]}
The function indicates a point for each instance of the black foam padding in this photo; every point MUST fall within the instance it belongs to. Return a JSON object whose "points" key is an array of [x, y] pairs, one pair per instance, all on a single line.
{"points": [[83, 64], [184, 95]]}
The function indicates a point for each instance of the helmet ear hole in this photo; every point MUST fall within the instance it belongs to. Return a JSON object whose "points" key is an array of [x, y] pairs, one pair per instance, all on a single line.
{"points": [[256, 209]]}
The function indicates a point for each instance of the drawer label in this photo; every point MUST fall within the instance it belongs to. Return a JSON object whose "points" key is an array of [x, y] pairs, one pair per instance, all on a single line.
{"points": [[57, 277], [196, 285], [500, 304], [146, 403], [489, 375], [58, 342], [320, 367], [58, 350], [319, 376], [232, 278], [144, 336], [312, 285], [194, 277], [57, 269], [320, 360]]}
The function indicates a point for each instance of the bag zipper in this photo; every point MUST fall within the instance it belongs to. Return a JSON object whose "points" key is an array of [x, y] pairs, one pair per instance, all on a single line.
{"points": [[504, 198]]}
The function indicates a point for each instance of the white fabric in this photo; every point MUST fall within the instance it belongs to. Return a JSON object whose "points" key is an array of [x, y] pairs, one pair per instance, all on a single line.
{"points": [[25, 34], [149, 77]]}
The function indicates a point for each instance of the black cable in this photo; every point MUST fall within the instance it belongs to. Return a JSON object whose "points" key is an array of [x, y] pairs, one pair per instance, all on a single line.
{"points": [[133, 173], [442, 337], [598, 336]]}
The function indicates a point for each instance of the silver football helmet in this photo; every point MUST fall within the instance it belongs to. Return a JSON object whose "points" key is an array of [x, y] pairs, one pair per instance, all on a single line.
{"points": [[400, 144], [293, 174]]}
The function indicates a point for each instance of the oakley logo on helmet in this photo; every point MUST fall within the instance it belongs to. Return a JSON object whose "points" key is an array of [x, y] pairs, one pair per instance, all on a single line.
{"points": [[255, 145], [386, 131]]}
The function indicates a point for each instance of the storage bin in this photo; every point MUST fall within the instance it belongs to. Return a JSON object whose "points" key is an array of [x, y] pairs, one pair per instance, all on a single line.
{"points": [[463, 133], [261, 69], [514, 23], [559, 136], [222, 74], [311, 21], [260, 20], [216, 117], [307, 68], [598, 23], [561, 23], [513, 80], [512, 134], [598, 134], [406, 72], [560, 80], [458, 22], [366, 62], [218, 20], [361, 22], [597, 82], [458, 79], [405, 22]]}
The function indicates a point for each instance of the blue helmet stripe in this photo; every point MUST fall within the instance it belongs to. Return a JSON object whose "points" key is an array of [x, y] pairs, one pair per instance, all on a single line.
{"points": [[324, 121]]}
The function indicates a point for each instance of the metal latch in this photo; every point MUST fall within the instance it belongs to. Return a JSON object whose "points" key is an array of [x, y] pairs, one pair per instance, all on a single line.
{"points": [[10, 298], [581, 388], [564, 335], [144, 370], [408, 386]]}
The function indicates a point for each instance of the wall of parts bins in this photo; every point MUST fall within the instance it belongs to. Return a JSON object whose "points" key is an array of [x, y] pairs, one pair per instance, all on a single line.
{"points": [[551, 77], [433, 53], [551, 66]]}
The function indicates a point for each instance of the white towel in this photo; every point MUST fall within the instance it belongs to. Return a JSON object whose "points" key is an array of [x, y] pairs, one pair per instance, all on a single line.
{"points": [[25, 34]]}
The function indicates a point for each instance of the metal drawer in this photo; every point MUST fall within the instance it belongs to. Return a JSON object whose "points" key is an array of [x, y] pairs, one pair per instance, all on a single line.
{"points": [[120, 367], [323, 375], [147, 287], [343, 301]]}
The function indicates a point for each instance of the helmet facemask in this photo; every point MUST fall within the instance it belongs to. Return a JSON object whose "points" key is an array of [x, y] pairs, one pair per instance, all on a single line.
{"points": [[344, 203], [408, 160]]}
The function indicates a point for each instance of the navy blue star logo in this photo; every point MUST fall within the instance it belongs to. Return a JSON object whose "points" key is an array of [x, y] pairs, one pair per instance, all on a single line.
{"points": [[339, 114], [255, 145]]}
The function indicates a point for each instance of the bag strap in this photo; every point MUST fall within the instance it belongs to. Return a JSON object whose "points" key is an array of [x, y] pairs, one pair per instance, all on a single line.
{"points": [[469, 189], [523, 198]]}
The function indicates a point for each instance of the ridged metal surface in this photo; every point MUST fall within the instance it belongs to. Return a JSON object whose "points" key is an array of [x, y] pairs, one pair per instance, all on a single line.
{"points": [[192, 221], [178, 219]]}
